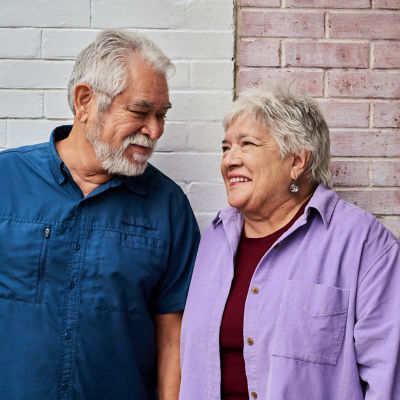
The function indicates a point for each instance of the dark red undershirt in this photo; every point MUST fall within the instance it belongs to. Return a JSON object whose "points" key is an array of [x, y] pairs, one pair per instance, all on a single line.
{"points": [[250, 251]]}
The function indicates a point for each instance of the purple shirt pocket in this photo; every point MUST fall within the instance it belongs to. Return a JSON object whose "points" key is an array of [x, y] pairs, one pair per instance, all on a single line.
{"points": [[311, 322]]}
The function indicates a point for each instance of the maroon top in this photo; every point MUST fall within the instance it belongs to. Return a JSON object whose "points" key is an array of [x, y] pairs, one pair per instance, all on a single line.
{"points": [[249, 254]]}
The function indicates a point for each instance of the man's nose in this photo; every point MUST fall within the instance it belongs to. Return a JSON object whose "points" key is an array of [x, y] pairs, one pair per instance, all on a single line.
{"points": [[153, 127]]}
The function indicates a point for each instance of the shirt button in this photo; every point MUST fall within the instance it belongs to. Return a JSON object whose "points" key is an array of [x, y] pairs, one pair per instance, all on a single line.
{"points": [[254, 290], [254, 395], [64, 386], [77, 247], [250, 341], [71, 285], [67, 335]]}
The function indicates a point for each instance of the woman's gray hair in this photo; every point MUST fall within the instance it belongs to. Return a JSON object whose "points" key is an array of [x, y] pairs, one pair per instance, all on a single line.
{"points": [[103, 64], [295, 123]]}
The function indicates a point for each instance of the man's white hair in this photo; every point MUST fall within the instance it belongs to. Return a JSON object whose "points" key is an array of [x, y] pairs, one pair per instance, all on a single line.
{"points": [[295, 123], [103, 64]]}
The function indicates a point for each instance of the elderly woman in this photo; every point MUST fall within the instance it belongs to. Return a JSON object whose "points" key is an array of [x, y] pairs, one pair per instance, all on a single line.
{"points": [[295, 293]]}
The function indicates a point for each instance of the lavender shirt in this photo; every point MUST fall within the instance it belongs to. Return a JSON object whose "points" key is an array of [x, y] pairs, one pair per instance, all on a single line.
{"points": [[322, 315]]}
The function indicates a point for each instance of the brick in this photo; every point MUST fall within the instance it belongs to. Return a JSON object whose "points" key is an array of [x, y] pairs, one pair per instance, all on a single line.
{"points": [[392, 223], [212, 74], [56, 105], [20, 43], [388, 4], [168, 14], [350, 173], [365, 143], [34, 74], [274, 23], [345, 114], [328, 3], [370, 84], [3, 133], [387, 54], [207, 197], [326, 54], [193, 45], [174, 138], [21, 104], [259, 53], [24, 132], [205, 137], [371, 25], [383, 201], [307, 82], [181, 77], [203, 106], [387, 114], [74, 13], [66, 43], [260, 3], [189, 167], [385, 173]]}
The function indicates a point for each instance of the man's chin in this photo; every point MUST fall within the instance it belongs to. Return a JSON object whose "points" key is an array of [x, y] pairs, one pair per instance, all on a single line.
{"points": [[125, 167]]}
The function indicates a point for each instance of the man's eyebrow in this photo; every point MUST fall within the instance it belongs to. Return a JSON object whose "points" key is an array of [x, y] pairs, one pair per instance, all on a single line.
{"points": [[146, 104]]}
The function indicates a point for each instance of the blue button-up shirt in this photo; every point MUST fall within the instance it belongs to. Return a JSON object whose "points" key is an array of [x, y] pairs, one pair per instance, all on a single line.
{"points": [[322, 314], [81, 278]]}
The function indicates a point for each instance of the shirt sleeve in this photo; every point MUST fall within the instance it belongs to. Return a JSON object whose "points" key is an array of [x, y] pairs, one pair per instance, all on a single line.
{"points": [[377, 327], [185, 236]]}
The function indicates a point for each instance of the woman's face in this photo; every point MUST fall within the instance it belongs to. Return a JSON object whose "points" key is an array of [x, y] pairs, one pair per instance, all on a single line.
{"points": [[257, 180]]}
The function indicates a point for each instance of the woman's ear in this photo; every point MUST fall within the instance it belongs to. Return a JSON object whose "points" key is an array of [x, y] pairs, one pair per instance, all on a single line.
{"points": [[83, 101], [299, 164]]}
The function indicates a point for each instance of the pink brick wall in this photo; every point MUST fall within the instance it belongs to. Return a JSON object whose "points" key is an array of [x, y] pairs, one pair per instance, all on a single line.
{"points": [[346, 54]]}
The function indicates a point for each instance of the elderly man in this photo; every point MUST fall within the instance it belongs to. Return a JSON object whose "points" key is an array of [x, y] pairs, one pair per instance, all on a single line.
{"points": [[96, 245]]}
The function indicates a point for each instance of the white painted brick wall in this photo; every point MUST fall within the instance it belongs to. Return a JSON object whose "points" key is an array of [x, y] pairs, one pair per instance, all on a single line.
{"points": [[40, 39]]}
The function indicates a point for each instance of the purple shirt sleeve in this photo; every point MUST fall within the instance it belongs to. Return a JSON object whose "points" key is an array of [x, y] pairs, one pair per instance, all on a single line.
{"points": [[377, 327]]}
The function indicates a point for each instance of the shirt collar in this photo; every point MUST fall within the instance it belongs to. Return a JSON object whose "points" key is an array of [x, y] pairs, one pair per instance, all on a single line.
{"points": [[324, 201], [135, 184], [57, 165]]}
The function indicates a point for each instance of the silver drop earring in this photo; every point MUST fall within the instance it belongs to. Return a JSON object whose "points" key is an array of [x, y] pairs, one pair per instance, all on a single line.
{"points": [[294, 187]]}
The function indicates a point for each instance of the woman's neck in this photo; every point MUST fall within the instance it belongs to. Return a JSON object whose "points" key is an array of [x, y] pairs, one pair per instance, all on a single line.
{"points": [[263, 225]]}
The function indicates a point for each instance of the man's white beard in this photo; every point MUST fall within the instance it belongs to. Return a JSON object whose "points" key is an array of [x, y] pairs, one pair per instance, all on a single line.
{"points": [[113, 160]]}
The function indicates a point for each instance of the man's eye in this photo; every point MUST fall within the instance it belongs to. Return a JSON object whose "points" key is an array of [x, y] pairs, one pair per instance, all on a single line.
{"points": [[138, 113], [162, 116]]}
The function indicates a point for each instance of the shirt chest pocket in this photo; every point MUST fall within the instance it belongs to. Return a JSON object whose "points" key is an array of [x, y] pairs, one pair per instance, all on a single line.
{"points": [[129, 267], [311, 322], [23, 256]]}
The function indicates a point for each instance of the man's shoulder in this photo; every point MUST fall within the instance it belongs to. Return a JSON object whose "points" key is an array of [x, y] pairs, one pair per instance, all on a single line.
{"points": [[29, 151], [154, 178]]}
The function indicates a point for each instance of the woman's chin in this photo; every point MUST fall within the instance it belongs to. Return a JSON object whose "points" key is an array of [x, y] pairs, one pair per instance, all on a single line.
{"points": [[236, 202]]}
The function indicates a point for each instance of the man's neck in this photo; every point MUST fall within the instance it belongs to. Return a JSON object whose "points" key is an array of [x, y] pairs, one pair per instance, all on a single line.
{"points": [[79, 157]]}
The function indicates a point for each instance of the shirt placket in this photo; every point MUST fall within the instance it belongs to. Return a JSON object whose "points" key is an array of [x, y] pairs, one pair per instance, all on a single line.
{"points": [[71, 306]]}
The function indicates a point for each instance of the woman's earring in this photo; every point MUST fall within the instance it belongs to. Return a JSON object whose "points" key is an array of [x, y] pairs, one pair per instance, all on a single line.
{"points": [[294, 187]]}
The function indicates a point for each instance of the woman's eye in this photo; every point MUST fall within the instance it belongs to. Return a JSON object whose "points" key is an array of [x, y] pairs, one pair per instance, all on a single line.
{"points": [[247, 144], [225, 148]]}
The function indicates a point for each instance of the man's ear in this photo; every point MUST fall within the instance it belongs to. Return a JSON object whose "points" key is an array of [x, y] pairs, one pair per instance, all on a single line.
{"points": [[299, 164], [84, 100]]}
